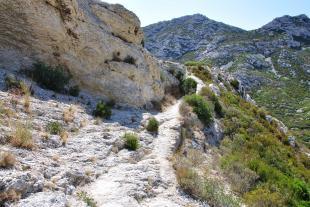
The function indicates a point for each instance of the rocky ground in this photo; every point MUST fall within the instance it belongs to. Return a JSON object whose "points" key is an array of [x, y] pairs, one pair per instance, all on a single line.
{"points": [[93, 163]]}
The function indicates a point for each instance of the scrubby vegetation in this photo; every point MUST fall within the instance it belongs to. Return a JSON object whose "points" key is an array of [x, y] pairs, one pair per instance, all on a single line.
{"points": [[257, 159], [54, 128], [200, 107], [188, 86], [53, 78], [152, 125], [261, 166], [131, 141], [22, 137], [102, 110]]}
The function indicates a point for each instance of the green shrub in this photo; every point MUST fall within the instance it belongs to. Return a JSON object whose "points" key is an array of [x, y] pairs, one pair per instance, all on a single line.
{"points": [[54, 128], [218, 108], [131, 141], [200, 107], [74, 91], [152, 125], [194, 63], [189, 86], [87, 199], [235, 83], [53, 78], [102, 110]]}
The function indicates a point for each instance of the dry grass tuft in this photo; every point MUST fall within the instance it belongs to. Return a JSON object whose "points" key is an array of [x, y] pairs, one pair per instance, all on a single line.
{"points": [[26, 103], [10, 196], [7, 159], [64, 137], [68, 114], [22, 137]]}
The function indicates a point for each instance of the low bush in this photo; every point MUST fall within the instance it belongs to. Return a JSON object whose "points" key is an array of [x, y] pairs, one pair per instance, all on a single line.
{"points": [[152, 125], [131, 141], [22, 137], [53, 78], [202, 73], [74, 91], [15, 85], [7, 159], [54, 128], [188, 86], [200, 107], [194, 63], [235, 84], [218, 108], [102, 110]]}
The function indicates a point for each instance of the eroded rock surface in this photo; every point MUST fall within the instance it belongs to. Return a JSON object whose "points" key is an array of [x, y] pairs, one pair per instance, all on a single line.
{"points": [[100, 44]]}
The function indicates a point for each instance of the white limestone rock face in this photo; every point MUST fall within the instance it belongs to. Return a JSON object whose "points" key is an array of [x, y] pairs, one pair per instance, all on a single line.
{"points": [[90, 38]]}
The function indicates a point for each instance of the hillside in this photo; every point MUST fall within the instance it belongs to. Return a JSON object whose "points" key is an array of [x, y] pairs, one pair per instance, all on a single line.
{"points": [[272, 62], [90, 118]]}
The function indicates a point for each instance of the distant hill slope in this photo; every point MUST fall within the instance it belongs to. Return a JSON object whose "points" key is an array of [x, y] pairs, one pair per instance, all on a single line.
{"points": [[272, 62]]}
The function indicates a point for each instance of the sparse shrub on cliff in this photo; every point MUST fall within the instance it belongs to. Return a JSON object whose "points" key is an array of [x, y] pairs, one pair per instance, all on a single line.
{"points": [[235, 83], [130, 60], [7, 159], [152, 125], [188, 86], [218, 108], [22, 137], [102, 110], [53, 78], [131, 141], [54, 128], [200, 107]]}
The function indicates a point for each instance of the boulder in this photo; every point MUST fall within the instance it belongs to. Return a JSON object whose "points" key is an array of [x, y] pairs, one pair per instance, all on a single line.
{"points": [[92, 39]]}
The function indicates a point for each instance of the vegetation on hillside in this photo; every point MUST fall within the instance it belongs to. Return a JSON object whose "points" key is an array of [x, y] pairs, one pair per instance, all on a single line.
{"points": [[256, 157]]}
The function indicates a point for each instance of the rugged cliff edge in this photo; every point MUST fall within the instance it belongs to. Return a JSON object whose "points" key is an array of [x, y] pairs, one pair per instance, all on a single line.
{"points": [[100, 44]]}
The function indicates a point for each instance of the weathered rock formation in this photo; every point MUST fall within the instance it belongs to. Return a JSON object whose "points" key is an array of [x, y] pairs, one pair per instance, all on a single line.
{"points": [[99, 43]]}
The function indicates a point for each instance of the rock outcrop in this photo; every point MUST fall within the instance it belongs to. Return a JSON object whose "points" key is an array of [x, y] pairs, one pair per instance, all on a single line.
{"points": [[100, 44]]}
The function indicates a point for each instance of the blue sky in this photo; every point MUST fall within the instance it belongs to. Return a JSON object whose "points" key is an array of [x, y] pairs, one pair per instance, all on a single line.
{"points": [[246, 14]]}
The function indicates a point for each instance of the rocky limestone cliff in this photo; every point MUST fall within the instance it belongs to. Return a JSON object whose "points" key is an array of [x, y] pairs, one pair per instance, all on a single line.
{"points": [[90, 38]]}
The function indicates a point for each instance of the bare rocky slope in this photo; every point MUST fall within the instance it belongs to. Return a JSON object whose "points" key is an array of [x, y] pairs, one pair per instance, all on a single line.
{"points": [[100, 44]]}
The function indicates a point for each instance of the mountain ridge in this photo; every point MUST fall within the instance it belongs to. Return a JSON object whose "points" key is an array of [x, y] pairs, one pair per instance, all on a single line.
{"points": [[271, 62]]}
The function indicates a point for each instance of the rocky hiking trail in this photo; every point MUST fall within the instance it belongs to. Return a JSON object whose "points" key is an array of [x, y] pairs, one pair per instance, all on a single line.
{"points": [[149, 182], [94, 160]]}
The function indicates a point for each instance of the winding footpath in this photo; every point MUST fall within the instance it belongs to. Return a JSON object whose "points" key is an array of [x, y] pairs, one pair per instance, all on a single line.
{"points": [[149, 180]]}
